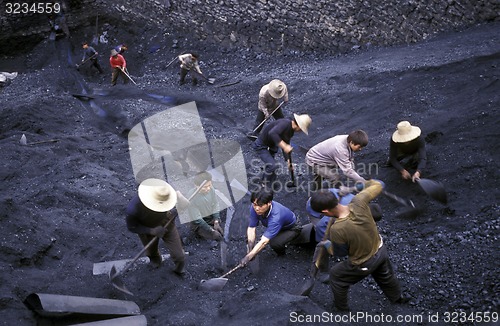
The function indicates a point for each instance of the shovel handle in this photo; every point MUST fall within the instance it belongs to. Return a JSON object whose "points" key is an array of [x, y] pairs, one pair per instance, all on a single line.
{"points": [[232, 270], [268, 117]]}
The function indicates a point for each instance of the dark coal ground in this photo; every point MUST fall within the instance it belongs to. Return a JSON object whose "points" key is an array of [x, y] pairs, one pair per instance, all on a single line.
{"points": [[62, 203]]}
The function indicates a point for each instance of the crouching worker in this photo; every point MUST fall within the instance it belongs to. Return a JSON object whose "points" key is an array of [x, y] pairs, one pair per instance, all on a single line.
{"points": [[204, 209], [355, 234], [282, 226], [151, 214]]}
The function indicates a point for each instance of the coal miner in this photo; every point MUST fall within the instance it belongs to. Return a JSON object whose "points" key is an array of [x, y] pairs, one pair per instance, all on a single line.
{"points": [[204, 209], [275, 135], [355, 234], [282, 226], [118, 66], [121, 48], [326, 158], [268, 103], [151, 213], [408, 145], [90, 54], [189, 62], [321, 223]]}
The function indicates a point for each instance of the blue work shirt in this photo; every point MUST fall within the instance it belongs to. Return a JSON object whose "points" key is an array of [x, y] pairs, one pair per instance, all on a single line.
{"points": [[323, 220], [278, 218]]}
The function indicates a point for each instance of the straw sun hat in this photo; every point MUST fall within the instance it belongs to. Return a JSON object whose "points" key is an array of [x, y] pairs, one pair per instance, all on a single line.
{"points": [[277, 88], [157, 195], [304, 121], [405, 132]]}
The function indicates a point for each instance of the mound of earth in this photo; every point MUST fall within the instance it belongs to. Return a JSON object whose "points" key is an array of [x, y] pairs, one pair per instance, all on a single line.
{"points": [[64, 194]]}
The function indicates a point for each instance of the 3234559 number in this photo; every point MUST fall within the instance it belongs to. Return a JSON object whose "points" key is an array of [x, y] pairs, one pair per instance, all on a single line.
{"points": [[35, 8]]}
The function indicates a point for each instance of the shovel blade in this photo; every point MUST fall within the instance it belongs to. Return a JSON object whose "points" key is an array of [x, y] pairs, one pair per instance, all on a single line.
{"points": [[117, 282], [307, 287], [213, 284], [434, 189]]}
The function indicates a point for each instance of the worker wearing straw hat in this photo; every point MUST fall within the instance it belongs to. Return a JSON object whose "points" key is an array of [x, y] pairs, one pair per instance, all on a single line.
{"points": [[268, 101], [277, 135], [148, 213], [407, 150]]}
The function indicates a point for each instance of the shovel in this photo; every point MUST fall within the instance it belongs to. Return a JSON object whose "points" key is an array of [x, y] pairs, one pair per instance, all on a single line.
{"points": [[114, 275], [170, 63], [216, 284], [128, 76], [209, 80], [307, 287], [434, 189], [410, 211], [252, 134], [291, 183], [85, 61]]}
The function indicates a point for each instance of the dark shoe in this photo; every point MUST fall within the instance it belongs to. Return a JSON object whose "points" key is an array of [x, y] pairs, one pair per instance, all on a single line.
{"points": [[195, 82], [179, 269], [403, 299], [182, 82], [155, 261]]}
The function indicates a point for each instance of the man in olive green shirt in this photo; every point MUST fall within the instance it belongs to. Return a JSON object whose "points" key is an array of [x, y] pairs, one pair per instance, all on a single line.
{"points": [[204, 209], [355, 233]]}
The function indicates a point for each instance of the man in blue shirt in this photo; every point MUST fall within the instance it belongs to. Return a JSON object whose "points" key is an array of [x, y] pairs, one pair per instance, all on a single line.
{"points": [[320, 221], [282, 226]]}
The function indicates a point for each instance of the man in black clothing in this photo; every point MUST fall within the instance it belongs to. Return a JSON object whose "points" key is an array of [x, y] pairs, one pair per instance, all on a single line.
{"points": [[276, 135], [91, 54], [151, 213], [407, 142]]}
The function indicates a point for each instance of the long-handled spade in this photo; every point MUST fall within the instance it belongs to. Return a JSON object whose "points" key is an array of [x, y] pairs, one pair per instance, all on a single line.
{"points": [[216, 284], [291, 183], [85, 61], [209, 80], [114, 275], [307, 287], [128, 76], [434, 189], [410, 211], [252, 134]]}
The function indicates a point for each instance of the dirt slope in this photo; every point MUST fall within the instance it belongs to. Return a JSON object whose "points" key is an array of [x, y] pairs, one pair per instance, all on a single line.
{"points": [[62, 203]]}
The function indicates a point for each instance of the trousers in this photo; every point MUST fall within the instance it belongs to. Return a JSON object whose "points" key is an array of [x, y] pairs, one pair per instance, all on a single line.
{"points": [[345, 274], [173, 243]]}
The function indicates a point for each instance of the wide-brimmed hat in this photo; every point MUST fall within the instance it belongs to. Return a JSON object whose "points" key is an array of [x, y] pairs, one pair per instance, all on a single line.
{"points": [[304, 121], [114, 52], [157, 195], [277, 88], [405, 132]]}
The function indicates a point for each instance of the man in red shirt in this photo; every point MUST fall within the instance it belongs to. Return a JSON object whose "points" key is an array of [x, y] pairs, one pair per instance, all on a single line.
{"points": [[118, 65]]}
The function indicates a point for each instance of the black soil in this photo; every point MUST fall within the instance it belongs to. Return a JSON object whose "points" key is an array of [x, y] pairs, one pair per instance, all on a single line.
{"points": [[62, 203]]}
